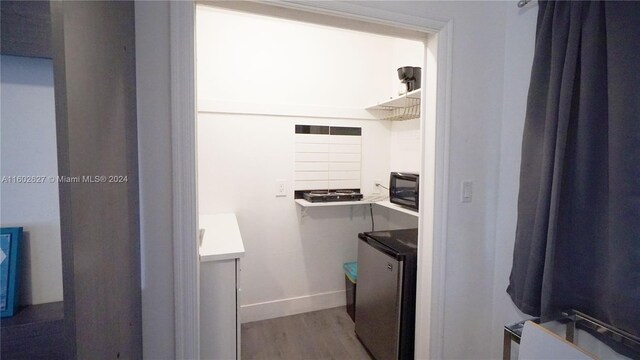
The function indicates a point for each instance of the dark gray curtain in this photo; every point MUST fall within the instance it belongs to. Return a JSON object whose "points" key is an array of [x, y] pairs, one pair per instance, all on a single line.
{"points": [[578, 235]]}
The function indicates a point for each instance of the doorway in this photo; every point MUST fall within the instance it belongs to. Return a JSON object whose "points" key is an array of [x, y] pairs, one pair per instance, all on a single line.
{"points": [[432, 144]]}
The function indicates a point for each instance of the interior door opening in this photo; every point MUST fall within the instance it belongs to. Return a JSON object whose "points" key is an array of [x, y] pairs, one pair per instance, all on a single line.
{"points": [[260, 74]]}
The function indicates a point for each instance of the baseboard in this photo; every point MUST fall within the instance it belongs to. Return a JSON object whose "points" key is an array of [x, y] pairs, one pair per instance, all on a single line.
{"points": [[291, 306]]}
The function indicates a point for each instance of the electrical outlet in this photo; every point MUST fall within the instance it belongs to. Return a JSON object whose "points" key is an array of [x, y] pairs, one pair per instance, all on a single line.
{"points": [[281, 188], [376, 188]]}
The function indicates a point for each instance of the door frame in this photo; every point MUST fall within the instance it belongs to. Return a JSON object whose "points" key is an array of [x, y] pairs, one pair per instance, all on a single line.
{"points": [[432, 254]]}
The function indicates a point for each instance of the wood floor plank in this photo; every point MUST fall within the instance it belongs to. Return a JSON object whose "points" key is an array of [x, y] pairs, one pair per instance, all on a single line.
{"points": [[326, 335], [335, 331], [273, 341], [318, 335]]}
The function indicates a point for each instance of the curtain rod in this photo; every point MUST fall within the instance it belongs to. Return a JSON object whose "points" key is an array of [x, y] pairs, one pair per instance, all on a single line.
{"points": [[523, 3]]}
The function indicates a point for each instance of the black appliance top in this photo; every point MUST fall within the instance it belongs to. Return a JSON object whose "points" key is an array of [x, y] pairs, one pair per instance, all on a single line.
{"points": [[399, 243], [332, 195]]}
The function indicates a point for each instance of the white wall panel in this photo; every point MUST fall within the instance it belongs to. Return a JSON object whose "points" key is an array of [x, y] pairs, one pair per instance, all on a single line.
{"points": [[344, 166], [311, 185], [340, 149], [344, 184], [344, 157], [323, 184], [313, 166], [344, 175], [345, 139], [311, 175], [312, 148], [320, 157], [344, 148], [312, 139]]}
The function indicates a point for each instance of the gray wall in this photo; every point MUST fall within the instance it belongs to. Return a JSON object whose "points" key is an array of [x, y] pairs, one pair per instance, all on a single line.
{"points": [[94, 71]]}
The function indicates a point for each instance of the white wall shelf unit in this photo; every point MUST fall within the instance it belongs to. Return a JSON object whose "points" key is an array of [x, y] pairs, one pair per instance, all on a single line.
{"points": [[377, 200], [388, 204], [404, 107], [307, 204]]}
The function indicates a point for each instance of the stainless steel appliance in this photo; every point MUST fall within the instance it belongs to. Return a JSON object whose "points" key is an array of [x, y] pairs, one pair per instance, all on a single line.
{"points": [[404, 189], [332, 195], [386, 301]]}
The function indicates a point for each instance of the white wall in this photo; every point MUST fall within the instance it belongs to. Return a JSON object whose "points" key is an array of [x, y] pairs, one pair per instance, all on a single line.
{"points": [[519, 46], [154, 160], [258, 59], [292, 263], [28, 132], [405, 146]]}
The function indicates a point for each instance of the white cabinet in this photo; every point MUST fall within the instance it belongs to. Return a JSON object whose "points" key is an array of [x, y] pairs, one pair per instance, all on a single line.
{"points": [[219, 317], [220, 251]]}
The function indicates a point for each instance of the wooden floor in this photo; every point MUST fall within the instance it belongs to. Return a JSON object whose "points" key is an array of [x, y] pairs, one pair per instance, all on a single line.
{"points": [[325, 334]]}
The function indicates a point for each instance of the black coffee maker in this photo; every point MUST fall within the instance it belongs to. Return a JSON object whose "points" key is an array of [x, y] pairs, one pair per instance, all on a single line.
{"points": [[411, 76]]}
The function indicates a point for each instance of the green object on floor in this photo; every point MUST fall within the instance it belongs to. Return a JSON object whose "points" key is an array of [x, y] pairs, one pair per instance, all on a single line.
{"points": [[351, 271]]}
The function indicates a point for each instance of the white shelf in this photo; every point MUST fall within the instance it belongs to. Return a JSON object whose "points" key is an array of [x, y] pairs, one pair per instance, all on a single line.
{"points": [[403, 107], [367, 200], [402, 101], [388, 204], [306, 204]]}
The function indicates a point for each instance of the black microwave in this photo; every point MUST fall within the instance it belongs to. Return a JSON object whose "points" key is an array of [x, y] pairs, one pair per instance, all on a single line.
{"points": [[404, 189]]}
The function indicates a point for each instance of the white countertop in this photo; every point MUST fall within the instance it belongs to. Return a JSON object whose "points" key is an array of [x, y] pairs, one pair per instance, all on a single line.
{"points": [[222, 239]]}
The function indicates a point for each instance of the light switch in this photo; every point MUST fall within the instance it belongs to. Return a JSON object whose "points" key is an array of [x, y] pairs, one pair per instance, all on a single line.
{"points": [[466, 193]]}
